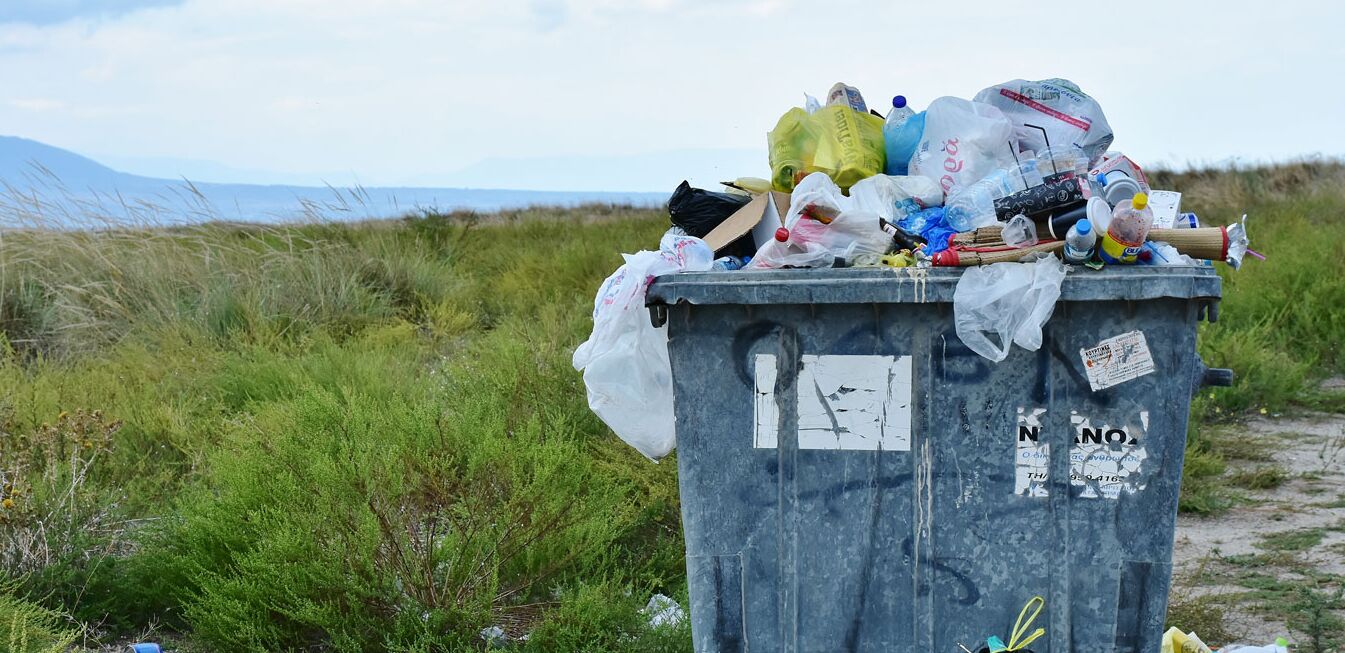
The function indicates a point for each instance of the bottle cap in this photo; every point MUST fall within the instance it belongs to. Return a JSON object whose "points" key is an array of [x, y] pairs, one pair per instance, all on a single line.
{"points": [[1084, 227], [1139, 201], [899, 101]]}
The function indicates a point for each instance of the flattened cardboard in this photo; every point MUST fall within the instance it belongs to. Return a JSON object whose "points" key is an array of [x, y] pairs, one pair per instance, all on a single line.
{"points": [[759, 217]]}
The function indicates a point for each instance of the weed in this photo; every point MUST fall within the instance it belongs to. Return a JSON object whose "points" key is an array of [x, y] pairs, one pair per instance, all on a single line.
{"points": [[1312, 614], [26, 627], [1299, 540], [1261, 478]]}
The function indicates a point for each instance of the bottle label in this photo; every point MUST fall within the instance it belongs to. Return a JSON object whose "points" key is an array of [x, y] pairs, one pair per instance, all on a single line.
{"points": [[1113, 251]]}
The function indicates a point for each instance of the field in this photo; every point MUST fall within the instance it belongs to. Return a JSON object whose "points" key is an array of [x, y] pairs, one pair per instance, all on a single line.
{"points": [[365, 437]]}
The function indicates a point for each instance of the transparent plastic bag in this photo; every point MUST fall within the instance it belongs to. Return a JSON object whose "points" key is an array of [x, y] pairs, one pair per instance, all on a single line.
{"points": [[1008, 300], [1059, 114], [1019, 231], [852, 232], [625, 359]]}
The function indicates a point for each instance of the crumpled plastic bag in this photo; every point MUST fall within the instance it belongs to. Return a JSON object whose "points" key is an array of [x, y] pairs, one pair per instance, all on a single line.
{"points": [[1067, 114], [1008, 300], [1019, 232], [853, 231], [1175, 641], [625, 359], [699, 211], [882, 194], [963, 142], [1281, 645]]}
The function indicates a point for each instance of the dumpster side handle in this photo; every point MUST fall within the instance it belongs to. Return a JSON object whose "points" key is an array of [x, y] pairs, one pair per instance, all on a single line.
{"points": [[658, 314], [1206, 377]]}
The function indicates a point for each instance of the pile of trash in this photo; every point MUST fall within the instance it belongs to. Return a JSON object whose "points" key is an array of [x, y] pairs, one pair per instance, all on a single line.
{"points": [[1023, 168], [1016, 183]]}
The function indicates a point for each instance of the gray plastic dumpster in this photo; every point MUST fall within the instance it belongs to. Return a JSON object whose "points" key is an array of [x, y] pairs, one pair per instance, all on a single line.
{"points": [[853, 478]]}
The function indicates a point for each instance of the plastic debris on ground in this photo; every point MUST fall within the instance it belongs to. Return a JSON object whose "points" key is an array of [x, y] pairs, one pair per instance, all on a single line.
{"points": [[1281, 645], [494, 636], [663, 611], [1176, 641]]}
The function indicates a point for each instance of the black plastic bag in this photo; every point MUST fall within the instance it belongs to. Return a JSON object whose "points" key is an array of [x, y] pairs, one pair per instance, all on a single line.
{"points": [[698, 211]]}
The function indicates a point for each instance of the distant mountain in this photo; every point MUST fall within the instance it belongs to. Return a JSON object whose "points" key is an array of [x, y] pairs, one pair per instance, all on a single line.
{"points": [[68, 186]]}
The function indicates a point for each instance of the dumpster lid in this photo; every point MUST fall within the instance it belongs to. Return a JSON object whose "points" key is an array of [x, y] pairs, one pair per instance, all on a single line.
{"points": [[912, 285]]}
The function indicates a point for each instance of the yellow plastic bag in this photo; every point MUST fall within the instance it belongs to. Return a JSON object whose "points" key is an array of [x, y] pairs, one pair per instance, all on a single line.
{"points": [[792, 145], [843, 143], [1175, 641], [849, 145]]}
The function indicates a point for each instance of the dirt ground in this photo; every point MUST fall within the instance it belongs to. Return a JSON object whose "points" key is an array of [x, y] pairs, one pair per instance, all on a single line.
{"points": [[1284, 531]]}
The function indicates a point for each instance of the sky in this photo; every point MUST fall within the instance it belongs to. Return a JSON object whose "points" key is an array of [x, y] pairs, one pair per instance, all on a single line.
{"points": [[634, 95]]}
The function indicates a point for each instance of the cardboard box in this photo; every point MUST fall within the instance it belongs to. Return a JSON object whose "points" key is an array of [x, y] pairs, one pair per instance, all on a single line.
{"points": [[1166, 205], [1120, 163], [758, 219]]}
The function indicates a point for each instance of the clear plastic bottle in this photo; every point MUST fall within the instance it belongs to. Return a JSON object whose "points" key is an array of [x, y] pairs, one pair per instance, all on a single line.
{"points": [[901, 135], [1128, 230], [1080, 241], [730, 263], [973, 206]]}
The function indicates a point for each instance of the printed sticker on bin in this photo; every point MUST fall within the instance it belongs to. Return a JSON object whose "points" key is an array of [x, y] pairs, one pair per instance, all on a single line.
{"points": [[851, 403], [1117, 360]]}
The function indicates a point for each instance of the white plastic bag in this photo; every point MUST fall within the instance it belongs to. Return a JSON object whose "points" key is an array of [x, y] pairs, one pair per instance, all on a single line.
{"points": [[625, 359], [852, 232], [881, 194], [1009, 300], [963, 142], [1057, 106]]}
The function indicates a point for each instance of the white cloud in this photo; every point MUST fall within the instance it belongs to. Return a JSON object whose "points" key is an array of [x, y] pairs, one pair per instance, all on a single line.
{"points": [[37, 104], [405, 89]]}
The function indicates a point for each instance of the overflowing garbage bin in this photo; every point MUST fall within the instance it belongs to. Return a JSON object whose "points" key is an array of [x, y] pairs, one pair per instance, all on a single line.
{"points": [[930, 380], [855, 478]]}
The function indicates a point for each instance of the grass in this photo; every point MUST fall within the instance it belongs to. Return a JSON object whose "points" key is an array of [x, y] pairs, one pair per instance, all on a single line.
{"points": [[26, 627], [368, 436]]}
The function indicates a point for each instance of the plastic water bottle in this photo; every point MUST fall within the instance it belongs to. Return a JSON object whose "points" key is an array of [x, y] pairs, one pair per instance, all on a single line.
{"points": [[969, 207], [730, 263], [1128, 230], [1080, 241], [901, 135]]}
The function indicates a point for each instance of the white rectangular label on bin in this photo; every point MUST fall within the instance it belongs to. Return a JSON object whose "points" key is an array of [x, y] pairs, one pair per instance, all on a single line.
{"points": [[1107, 460], [1117, 360], [764, 436], [855, 403], [1032, 457]]}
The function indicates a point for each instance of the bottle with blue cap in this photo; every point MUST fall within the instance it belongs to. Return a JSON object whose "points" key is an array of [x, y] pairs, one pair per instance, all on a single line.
{"points": [[901, 135], [1080, 241]]}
